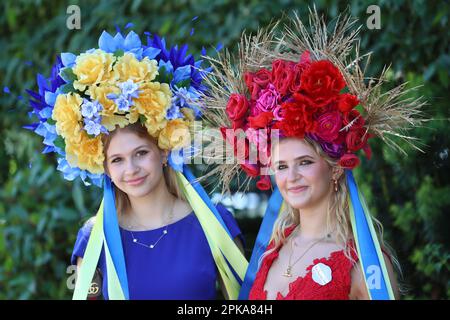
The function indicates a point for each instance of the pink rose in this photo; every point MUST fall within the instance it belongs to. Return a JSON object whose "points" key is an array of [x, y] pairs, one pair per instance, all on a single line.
{"points": [[268, 99], [328, 126]]}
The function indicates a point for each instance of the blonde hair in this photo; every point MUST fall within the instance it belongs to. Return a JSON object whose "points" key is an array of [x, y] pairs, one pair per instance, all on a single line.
{"points": [[121, 198], [338, 209]]}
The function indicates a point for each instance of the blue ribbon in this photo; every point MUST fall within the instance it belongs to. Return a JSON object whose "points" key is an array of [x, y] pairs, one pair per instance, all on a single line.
{"points": [[112, 235], [174, 162], [368, 253], [261, 242]]}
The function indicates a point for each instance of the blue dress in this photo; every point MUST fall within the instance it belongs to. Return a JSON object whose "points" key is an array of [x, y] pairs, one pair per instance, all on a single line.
{"points": [[179, 267]]}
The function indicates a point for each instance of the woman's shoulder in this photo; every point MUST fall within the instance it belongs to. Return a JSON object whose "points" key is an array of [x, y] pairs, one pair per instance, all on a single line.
{"points": [[86, 229]]}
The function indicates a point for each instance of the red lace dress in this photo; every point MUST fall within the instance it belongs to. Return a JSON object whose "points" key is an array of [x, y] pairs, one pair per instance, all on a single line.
{"points": [[305, 288]]}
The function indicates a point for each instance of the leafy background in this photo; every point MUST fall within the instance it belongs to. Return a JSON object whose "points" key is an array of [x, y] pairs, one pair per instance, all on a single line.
{"points": [[40, 212]]}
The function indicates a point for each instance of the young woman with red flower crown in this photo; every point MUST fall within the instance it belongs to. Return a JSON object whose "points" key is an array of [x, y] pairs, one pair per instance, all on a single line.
{"points": [[305, 112]]}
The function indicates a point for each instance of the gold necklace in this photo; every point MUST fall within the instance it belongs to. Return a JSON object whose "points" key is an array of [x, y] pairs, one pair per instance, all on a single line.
{"points": [[288, 272]]}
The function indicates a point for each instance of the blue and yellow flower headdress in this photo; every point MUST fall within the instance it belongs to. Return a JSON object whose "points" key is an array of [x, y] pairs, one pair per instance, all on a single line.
{"points": [[120, 83]]}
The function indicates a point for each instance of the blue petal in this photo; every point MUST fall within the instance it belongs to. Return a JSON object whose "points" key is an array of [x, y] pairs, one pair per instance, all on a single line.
{"points": [[106, 42], [137, 53], [42, 82], [68, 59], [118, 41], [151, 52], [129, 25], [48, 149], [182, 73], [46, 112], [50, 98], [6, 89], [132, 41]]}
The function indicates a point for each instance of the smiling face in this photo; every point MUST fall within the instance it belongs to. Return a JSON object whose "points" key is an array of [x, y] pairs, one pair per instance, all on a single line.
{"points": [[134, 163], [303, 177]]}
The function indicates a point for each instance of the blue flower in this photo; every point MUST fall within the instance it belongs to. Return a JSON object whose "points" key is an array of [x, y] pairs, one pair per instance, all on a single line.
{"points": [[90, 109], [181, 74], [72, 173], [129, 89], [92, 127], [131, 43], [187, 98], [123, 103], [174, 112]]}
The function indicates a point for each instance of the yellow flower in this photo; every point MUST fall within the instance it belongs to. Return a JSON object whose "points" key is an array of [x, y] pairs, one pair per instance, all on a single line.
{"points": [[86, 154], [67, 115], [93, 68], [99, 93], [175, 135], [154, 100], [128, 67], [133, 115], [109, 117], [154, 126], [111, 121]]}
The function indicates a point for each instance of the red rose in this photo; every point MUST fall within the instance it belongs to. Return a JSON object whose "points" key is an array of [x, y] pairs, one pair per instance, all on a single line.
{"points": [[328, 126], [356, 139], [262, 78], [257, 81], [264, 183], [237, 106], [252, 170], [297, 117], [252, 87], [304, 63], [347, 102], [349, 161], [355, 118], [282, 75], [260, 121], [322, 82]]}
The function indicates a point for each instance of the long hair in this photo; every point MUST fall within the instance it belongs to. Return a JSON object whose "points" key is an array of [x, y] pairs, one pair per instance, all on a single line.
{"points": [[122, 201], [338, 210]]}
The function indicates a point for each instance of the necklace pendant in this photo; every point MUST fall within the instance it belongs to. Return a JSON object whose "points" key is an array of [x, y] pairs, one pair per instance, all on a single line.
{"points": [[288, 273]]}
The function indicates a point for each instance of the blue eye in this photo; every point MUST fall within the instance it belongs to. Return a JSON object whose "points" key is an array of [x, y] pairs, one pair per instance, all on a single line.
{"points": [[281, 167], [305, 162]]}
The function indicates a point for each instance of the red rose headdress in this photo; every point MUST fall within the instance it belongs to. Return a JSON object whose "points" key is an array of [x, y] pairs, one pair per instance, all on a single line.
{"points": [[303, 85]]}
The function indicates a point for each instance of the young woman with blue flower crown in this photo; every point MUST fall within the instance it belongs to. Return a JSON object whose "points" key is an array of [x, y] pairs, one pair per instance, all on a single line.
{"points": [[117, 115], [303, 111]]}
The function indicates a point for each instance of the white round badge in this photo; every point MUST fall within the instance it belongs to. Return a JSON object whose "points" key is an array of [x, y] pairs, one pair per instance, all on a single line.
{"points": [[321, 274]]}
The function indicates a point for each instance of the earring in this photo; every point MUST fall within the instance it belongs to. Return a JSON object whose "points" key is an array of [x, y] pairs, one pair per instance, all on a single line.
{"points": [[335, 185]]}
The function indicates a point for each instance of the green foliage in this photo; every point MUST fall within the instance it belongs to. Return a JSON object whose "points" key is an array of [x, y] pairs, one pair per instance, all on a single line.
{"points": [[40, 212]]}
